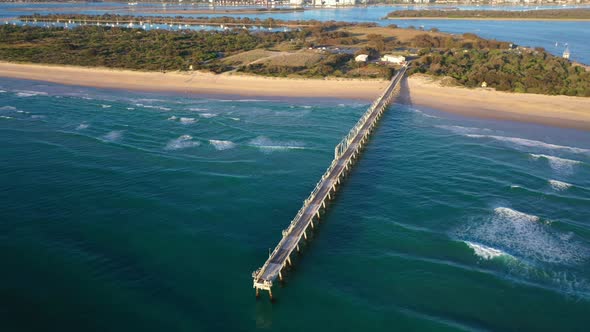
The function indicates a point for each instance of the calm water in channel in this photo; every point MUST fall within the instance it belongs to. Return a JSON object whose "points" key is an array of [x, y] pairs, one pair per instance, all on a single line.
{"points": [[133, 211]]}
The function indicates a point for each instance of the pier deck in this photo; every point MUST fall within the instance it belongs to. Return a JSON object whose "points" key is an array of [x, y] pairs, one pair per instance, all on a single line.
{"points": [[344, 154]]}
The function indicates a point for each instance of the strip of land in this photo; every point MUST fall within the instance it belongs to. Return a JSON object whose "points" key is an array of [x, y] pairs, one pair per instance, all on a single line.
{"points": [[422, 90], [559, 111], [196, 82], [487, 19], [575, 14]]}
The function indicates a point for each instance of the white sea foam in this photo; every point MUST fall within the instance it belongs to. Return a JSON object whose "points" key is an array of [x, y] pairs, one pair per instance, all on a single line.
{"points": [[113, 136], [267, 144], [182, 142], [558, 164], [222, 145], [82, 126], [307, 106], [198, 109], [6, 117], [153, 107], [172, 118], [207, 115], [485, 252], [462, 130], [559, 185], [426, 115], [7, 108], [26, 93], [235, 119], [187, 120], [2, 91], [131, 108], [105, 106], [530, 143], [515, 186], [524, 236], [37, 116]]}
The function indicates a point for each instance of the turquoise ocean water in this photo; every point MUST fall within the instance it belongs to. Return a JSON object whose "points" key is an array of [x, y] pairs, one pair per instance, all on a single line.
{"points": [[127, 211]]}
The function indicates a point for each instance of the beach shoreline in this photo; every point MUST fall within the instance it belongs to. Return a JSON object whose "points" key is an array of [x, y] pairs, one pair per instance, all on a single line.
{"points": [[420, 90], [555, 111]]}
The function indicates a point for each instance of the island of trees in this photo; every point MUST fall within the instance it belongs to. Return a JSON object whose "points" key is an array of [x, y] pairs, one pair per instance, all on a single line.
{"points": [[312, 50], [545, 14]]}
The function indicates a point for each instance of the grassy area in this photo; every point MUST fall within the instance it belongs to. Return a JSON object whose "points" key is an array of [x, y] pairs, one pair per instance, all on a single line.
{"points": [[314, 50]]}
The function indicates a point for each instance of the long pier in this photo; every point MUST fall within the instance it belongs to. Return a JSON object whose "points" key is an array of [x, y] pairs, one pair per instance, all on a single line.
{"points": [[344, 154]]}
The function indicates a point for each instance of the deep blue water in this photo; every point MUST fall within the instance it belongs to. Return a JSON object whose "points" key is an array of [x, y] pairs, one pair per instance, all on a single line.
{"points": [[127, 211]]}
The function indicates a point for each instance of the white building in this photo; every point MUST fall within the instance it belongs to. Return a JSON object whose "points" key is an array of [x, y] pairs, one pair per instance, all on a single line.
{"points": [[395, 59], [334, 3], [361, 58]]}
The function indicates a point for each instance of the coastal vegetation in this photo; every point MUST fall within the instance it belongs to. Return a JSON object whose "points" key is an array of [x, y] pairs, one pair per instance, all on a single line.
{"points": [[311, 50], [564, 14]]}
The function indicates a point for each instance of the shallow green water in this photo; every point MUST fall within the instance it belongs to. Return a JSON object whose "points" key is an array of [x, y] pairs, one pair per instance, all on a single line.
{"points": [[144, 212]]}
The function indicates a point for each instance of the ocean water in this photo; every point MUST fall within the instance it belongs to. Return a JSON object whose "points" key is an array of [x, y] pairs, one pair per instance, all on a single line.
{"points": [[128, 211]]}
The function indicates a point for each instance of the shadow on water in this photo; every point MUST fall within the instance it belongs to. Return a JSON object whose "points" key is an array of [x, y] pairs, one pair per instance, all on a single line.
{"points": [[404, 96]]}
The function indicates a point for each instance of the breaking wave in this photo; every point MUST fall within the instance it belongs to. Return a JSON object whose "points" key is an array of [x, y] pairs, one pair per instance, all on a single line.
{"points": [[559, 185], [558, 164], [530, 143], [113, 136], [7, 108], [182, 142], [6, 117], [187, 120], [26, 93], [266, 144], [523, 235], [222, 145], [461, 130], [106, 106], [485, 252], [207, 115], [82, 126]]}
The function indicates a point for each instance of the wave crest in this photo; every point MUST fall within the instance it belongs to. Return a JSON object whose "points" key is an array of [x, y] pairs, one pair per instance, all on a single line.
{"points": [[559, 185], [523, 236], [484, 252], [266, 144], [530, 143], [558, 164], [222, 145], [182, 142]]}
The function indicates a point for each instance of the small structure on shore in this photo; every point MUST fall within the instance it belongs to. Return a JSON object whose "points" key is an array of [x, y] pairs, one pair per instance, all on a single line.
{"points": [[484, 84], [566, 53], [395, 59], [361, 58]]}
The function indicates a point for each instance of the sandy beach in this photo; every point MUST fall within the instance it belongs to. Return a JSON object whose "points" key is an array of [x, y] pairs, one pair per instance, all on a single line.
{"points": [[561, 111], [195, 82]]}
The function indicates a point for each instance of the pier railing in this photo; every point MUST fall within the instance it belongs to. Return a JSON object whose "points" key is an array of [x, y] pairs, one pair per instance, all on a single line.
{"points": [[344, 152]]}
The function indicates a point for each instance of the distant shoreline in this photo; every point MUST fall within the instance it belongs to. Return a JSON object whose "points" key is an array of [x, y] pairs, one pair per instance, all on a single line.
{"points": [[487, 19], [559, 111]]}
